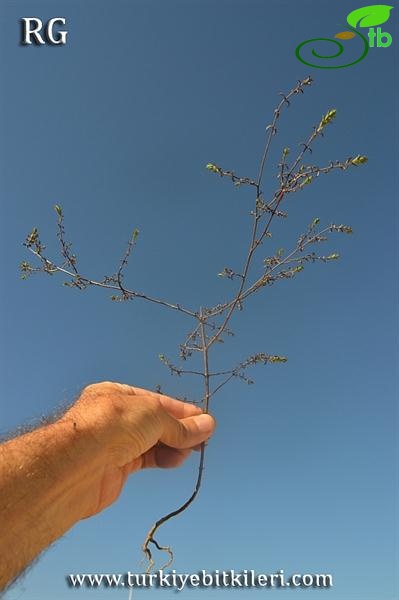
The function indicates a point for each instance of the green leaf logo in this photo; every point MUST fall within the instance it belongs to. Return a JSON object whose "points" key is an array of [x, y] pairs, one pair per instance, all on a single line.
{"points": [[368, 16]]}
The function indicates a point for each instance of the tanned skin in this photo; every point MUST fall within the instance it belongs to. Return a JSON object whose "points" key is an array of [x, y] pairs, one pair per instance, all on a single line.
{"points": [[72, 469]]}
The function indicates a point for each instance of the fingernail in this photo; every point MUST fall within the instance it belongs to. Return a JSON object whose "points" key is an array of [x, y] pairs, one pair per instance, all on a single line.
{"points": [[205, 423]]}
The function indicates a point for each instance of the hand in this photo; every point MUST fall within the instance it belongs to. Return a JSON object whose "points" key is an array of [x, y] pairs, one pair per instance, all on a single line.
{"points": [[134, 429], [58, 474]]}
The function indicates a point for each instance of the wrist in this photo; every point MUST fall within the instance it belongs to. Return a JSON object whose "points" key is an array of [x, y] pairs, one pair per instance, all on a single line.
{"points": [[92, 421], [84, 458], [71, 457]]}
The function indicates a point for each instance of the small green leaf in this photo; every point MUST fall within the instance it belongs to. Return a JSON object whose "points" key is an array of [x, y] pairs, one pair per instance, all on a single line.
{"points": [[58, 209], [359, 160], [369, 16], [327, 119], [341, 228], [135, 235], [213, 168], [298, 269], [277, 359]]}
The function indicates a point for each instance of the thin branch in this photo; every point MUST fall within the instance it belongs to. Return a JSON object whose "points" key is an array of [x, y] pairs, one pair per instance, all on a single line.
{"points": [[107, 286], [218, 387], [272, 127], [124, 262]]}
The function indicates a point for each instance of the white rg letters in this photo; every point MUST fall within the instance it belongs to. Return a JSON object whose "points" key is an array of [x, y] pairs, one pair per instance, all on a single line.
{"points": [[33, 31]]}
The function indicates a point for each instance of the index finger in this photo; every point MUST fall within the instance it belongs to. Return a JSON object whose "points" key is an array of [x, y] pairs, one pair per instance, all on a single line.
{"points": [[176, 408]]}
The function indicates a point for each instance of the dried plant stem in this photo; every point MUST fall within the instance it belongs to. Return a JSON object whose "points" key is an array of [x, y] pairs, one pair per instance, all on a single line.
{"points": [[150, 535], [211, 325], [130, 294], [206, 345]]}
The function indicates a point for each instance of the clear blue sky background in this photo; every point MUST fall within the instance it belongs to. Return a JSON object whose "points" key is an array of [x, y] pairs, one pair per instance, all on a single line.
{"points": [[117, 127]]}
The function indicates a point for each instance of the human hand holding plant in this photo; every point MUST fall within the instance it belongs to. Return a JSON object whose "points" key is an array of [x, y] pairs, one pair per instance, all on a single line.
{"points": [[134, 429], [71, 469]]}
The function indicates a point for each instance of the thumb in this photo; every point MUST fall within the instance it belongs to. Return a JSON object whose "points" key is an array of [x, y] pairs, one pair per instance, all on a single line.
{"points": [[188, 432]]}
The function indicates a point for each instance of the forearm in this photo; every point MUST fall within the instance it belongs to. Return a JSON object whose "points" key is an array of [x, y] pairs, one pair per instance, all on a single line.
{"points": [[43, 477], [55, 476]]}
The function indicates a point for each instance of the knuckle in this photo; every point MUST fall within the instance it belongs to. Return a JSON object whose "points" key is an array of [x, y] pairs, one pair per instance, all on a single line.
{"points": [[153, 405], [100, 388]]}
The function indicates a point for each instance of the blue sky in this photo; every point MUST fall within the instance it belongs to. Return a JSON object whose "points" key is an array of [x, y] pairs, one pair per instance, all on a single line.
{"points": [[117, 127]]}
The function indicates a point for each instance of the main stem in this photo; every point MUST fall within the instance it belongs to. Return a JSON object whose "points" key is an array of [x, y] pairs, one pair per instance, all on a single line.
{"points": [[202, 316], [150, 536]]}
